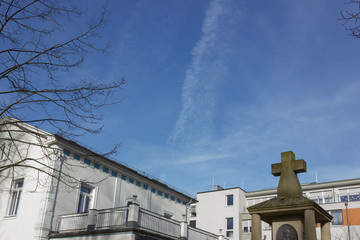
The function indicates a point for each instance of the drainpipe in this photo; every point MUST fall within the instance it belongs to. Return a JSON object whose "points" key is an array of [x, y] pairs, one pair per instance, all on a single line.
{"points": [[56, 192]]}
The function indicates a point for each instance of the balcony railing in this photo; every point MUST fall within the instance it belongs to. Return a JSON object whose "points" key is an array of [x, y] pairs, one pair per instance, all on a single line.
{"points": [[158, 223], [198, 234], [132, 217], [72, 222], [106, 218]]}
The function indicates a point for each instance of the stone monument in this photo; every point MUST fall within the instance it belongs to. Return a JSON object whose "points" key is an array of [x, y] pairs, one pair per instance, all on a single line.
{"points": [[291, 215]]}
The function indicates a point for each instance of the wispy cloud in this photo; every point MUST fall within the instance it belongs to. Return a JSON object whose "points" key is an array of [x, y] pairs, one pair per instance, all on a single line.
{"points": [[202, 77]]}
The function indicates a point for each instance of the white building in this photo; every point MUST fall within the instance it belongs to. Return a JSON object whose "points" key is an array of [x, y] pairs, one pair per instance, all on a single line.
{"points": [[214, 211], [51, 185]]}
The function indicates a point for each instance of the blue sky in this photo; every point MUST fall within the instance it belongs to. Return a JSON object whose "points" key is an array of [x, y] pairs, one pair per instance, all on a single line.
{"points": [[216, 90]]}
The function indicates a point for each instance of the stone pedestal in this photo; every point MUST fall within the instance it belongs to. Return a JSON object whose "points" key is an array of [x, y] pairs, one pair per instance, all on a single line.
{"points": [[292, 216]]}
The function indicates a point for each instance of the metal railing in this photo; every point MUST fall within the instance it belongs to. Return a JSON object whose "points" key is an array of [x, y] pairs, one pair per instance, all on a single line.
{"points": [[198, 234], [158, 223]]}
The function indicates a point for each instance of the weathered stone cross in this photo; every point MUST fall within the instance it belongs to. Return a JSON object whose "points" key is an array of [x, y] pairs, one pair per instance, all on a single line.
{"points": [[289, 184]]}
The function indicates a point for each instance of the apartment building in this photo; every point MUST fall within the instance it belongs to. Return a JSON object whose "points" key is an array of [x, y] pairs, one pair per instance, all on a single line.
{"points": [[53, 187], [226, 209]]}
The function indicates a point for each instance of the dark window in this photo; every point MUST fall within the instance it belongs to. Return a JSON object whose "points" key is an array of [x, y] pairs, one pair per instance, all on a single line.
{"points": [[193, 223], [66, 152], [138, 184], [145, 186], [114, 174], [131, 180], [178, 200], [77, 157], [96, 165], [87, 161], [229, 227], [123, 177], [229, 200], [160, 193], [172, 198], [105, 170], [153, 190], [166, 195]]}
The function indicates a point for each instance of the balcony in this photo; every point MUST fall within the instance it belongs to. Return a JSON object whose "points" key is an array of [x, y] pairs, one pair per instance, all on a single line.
{"points": [[131, 220]]}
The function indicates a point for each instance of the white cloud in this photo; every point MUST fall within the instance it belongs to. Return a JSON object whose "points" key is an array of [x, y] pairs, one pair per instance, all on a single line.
{"points": [[202, 77]]}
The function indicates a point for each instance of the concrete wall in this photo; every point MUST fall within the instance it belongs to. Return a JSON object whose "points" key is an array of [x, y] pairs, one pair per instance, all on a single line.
{"points": [[212, 211]]}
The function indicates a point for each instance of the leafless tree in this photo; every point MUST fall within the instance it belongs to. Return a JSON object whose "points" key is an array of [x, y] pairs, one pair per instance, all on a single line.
{"points": [[351, 18], [39, 41]]}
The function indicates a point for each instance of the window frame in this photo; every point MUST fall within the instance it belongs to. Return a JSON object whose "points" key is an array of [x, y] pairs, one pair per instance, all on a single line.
{"points": [[229, 229], [228, 198], [15, 197], [82, 196], [334, 217]]}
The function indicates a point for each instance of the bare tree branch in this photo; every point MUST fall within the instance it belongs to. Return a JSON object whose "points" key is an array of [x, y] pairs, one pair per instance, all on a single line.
{"points": [[351, 18], [40, 40]]}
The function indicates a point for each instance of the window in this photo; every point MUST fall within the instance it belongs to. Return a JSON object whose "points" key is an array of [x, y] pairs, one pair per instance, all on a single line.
{"points": [[76, 156], [322, 197], [96, 165], [85, 198], [172, 198], [193, 223], [160, 193], [131, 180], [229, 227], [246, 224], [178, 200], [15, 196], [66, 152], [229, 200], [328, 199], [153, 190], [114, 174], [123, 177], [338, 217], [193, 210], [105, 170], [87, 161], [166, 195], [138, 183], [145, 186]]}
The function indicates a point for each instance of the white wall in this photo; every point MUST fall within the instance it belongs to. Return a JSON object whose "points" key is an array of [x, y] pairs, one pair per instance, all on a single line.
{"points": [[212, 211], [28, 222], [35, 212]]}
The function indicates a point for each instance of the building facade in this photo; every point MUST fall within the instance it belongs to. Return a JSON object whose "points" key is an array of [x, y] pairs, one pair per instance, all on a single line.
{"points": [[48, 183], [340, 198]]}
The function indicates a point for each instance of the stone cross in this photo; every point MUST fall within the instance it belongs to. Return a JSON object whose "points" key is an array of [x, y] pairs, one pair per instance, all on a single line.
{"points": [[289, 185]]}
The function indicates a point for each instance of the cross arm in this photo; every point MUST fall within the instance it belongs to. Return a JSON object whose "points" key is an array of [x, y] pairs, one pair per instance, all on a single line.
{"points": [[299, 166], [276, 169]]}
